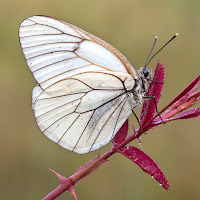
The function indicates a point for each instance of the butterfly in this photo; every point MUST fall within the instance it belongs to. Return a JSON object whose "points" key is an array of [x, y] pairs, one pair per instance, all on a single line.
{"points": [[86, 89]]}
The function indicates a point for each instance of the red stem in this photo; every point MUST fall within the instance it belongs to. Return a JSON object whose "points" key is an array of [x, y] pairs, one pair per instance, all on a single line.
{"points": [[77, 176], [137, 133], [65, 185]]}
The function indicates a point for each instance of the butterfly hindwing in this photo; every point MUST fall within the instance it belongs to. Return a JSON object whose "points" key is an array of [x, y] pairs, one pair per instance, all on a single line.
{"points": [[83, 112]]}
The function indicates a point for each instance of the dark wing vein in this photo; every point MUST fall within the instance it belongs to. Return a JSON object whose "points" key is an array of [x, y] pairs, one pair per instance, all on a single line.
{"points": [[83, 130], [68, 129], [49, 43], [60, 96], [103, 104], [91, 62], [105, 124], [90, 118], [40, 34], [61, 105], [54, 63], [118, 118], [58, 120], [60, 30], [63, 73], [48, 53]]}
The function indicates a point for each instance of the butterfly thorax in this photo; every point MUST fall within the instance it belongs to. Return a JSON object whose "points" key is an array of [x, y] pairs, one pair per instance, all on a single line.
{"points": [[145, 75], [140, 87]]}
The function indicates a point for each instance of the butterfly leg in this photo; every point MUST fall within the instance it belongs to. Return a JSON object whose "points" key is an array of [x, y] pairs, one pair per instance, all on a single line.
{"points": [[138, 120], [137, 117], [153, 97]]}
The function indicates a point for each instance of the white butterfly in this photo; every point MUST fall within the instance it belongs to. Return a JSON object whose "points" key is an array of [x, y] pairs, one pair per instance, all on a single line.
{"points": [[86, 88]]}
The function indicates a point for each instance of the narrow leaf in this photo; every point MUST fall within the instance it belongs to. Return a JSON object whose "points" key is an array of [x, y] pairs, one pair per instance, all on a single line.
{"points": [[183, 92], [188, 98], [186, 115], [195, 95], [121, 134], [145, 163], [155, 88]]}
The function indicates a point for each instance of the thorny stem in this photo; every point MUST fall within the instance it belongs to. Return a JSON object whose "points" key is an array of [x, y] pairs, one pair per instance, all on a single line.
{"points": [[66, 183], [77, 176], [136, 134]]}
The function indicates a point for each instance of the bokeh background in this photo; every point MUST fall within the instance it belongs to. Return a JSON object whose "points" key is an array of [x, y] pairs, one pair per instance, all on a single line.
{"points": [[26, 155]]}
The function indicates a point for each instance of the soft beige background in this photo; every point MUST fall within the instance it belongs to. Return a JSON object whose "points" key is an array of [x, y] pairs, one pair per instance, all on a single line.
{"points": [[130, 25]]}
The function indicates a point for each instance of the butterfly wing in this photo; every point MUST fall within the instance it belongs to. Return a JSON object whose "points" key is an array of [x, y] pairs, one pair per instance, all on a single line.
{"points": [[85, 111], [79, 114], [55, 49]]}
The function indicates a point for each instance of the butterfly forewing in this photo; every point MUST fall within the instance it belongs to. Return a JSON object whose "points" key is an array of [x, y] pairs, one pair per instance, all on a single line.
{"points": [[83, 96], [53, 47]]}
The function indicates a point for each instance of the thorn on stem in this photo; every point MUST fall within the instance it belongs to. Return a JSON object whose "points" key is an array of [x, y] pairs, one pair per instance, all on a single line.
{"points": [[61, 178], [71, 189]]}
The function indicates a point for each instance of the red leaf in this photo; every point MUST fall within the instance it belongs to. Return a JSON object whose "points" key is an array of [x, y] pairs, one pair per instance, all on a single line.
{"points": [[186, 101], [155, 88], [186, 115], [145, 163], [121, 134], [187, 89], [195, 95]]}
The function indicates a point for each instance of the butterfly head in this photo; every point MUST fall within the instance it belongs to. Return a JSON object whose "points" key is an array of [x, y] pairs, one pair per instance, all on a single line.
{"points": [[145, 73]]}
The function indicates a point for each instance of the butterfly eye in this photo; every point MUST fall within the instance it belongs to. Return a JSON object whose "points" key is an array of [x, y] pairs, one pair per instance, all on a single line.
{"points": [[145, 73]]}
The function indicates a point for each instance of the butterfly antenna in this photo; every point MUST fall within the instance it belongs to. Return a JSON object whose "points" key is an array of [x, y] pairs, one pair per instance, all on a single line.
{"points": [[162, 48], [150, 51]]}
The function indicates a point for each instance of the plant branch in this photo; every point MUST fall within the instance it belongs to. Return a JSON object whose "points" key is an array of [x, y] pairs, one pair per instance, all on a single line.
{"points": [[183, 100]]}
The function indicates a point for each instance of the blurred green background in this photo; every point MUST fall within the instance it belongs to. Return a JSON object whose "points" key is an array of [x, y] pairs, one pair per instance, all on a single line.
{"points": [[26, 154]]}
